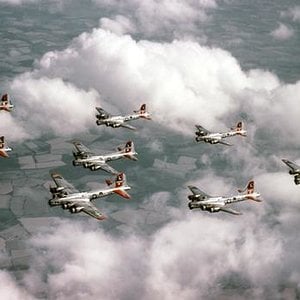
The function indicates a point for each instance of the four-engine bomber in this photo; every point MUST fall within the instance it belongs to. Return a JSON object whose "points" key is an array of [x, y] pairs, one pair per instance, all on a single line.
{"points": [[85, 157], [104, 118], [65, 195], [204, 135], [200, 199]]}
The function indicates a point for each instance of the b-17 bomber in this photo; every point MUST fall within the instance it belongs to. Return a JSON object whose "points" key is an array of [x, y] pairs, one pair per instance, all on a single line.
{"points": [[200, 199], [85, 157], [5, 103], [3, 148], [65, 195], [104, 118], [204, 135], [294, 170]]}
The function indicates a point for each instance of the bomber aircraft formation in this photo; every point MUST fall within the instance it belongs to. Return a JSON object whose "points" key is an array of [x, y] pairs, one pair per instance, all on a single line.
{"points": [[68, 197]]}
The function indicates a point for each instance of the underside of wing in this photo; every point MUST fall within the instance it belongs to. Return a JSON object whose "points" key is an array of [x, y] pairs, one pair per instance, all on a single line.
{"points": [[230, 211], [202, 130], [61, 182], [93, 211], [290, 164], [107, 168], [224, 143], [128, 126], [102, 113], [82, 149], [197, 191]]}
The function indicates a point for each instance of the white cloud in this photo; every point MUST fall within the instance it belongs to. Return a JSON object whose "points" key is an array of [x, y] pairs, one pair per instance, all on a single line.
{"points": [[17, 2], [190, 257], [282, 32], [120, 25], [176, 80], [10, 290], [182, 82], [158, 19], [51, 105], [292, 13]]}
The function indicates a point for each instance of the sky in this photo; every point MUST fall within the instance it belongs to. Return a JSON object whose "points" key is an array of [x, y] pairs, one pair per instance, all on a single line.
{"points": [[208, 62]]}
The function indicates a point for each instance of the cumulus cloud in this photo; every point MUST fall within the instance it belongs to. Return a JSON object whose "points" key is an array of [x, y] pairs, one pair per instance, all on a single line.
{"points": [[10, 290], [177, 79], [191, 257], [17, 2], [183, 82], [282, 32], [51, 105], [157, 19], [292, 13]]}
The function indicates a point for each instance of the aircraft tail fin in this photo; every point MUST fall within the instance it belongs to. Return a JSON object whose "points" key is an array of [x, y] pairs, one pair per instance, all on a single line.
{"points": [[3, 152], [2, 142], [129, 150], [4, 98], [120, 185], [250, 190], [5, 103], [142, 112], [240, 129]]}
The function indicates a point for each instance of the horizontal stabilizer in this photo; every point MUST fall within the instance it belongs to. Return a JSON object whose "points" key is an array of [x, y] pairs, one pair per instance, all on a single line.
{"points": [[230, 211], [123, 194], [224, 143]]}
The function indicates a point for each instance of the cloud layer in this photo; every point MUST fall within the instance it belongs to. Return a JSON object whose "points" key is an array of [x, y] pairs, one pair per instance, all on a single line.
{"points": [[190, 266], [156, 19]]}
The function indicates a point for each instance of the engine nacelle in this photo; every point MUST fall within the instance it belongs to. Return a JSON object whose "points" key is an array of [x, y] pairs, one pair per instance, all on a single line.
{"points": [[95, 196], [51, 202], [214, 209], [75, 209], [75, 163], [94, 168], [297, 180], [55, 190], [65, 206], [291, 172], [213, 141]]}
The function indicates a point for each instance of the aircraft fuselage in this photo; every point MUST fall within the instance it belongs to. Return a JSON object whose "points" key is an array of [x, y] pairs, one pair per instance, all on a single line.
{"points": [[60, 199], [214, 204], [214, 138]]}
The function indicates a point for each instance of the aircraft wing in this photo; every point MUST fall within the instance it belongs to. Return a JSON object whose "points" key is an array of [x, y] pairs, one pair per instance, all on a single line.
{"points": [[103, 113], [128, 126], [202, 130], [3, 153], [90, 209], [230, 211], [82, 149], [61, 182], [197, 191], [107, 168], [224, 143], [291, 165]]}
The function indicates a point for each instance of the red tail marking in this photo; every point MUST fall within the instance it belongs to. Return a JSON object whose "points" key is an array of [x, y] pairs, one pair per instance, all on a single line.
{"points": [[3, 153], [122, 194]]}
